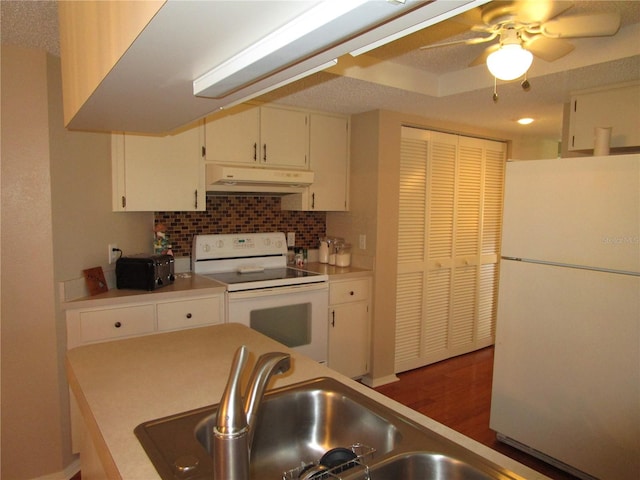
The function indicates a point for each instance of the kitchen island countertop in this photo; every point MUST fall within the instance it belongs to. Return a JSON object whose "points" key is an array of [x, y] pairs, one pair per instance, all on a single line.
{"points": [[120, 384]]}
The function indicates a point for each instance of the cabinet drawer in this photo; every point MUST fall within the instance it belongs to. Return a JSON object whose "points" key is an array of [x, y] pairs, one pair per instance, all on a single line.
{"points": [[351, 291], [189, 313], [98, 325]]}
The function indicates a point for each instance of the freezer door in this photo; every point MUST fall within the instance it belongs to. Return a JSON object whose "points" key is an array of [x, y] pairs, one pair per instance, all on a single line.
{"points": [[583, 211]]}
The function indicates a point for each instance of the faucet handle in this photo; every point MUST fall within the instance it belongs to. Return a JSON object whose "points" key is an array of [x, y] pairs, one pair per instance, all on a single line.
{"points": [[231, 417]]}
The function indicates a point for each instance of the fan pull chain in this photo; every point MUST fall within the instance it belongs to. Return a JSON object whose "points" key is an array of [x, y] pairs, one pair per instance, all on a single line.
{"points": [[495, 90]]}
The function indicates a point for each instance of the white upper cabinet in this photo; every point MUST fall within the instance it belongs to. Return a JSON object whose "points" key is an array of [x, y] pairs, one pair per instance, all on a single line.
{"points": [[618, 108], [329, 161], [158, 173], [260, 136], [234, 137], [284, 138]]}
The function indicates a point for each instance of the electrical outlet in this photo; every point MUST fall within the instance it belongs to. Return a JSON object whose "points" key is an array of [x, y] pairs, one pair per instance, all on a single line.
{"points": [[291, 239], [113, 256], [362, 242]]}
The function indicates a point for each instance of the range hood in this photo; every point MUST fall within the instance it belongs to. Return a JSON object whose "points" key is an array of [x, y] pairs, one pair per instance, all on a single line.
{"points": [[238, 179]]}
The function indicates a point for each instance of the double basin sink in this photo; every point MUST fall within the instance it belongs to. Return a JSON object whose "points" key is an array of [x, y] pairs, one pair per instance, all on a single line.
{"points": [[299, 423]]}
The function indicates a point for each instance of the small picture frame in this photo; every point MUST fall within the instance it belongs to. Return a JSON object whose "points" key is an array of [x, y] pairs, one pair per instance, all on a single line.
{"points": [[96, 282]]}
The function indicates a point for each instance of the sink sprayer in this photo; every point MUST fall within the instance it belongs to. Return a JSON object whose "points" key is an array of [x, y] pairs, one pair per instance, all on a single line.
{"points": [[235, 425]]}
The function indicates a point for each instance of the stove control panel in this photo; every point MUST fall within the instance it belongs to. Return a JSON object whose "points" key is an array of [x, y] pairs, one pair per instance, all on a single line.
{"points": [[225, 246]]}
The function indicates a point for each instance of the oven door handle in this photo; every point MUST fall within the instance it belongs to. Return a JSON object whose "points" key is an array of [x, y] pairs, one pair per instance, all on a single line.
{"points": [[273, 291]]}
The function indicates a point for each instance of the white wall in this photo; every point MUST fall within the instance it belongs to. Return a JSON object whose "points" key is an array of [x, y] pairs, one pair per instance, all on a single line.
{"points": [[56, 220]]}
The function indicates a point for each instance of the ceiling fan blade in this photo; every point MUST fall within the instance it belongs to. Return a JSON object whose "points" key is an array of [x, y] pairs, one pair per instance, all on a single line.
{"points": [[595, 25], [468, 41], [540, 11], [548, 49], [524, 11], [482, 58]]}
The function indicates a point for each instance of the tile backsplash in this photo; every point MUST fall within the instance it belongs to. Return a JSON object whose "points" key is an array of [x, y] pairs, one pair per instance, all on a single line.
{"points": [[240, 214]]}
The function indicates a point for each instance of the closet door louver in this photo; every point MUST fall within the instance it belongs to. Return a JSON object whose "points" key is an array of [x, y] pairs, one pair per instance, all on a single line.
{"points": [[448, 238]]}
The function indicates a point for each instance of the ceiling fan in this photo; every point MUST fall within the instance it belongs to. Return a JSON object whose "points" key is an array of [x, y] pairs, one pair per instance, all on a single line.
{"points": [[528, 28]]}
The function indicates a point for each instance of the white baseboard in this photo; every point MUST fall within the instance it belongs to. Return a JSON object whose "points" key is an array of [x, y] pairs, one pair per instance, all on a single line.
{"points": [[377, 382], [66, 474]]}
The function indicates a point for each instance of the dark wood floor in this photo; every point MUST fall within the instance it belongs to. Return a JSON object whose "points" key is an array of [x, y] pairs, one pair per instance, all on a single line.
{"points": [[457, 393]]}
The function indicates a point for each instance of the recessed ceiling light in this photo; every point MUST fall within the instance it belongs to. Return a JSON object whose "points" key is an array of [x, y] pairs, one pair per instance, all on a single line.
{"points": [[525, 121]]}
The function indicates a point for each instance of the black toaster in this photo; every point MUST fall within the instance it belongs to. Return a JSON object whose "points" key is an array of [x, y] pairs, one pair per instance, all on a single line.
{"points": [[145, 272]]}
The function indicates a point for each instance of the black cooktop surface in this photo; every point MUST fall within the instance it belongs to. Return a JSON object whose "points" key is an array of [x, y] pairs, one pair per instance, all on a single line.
{"points": [[284, 273]]}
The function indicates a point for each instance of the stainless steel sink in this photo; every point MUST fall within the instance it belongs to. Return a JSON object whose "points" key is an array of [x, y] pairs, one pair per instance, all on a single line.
{"points": [[299, 423], [423, 466]]}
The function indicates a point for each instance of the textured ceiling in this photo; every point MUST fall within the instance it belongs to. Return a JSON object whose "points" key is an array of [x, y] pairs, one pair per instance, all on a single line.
{"points": [[30, 23], [593, 63]]}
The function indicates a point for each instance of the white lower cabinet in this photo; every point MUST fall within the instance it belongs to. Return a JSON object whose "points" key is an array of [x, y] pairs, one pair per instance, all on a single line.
{"points": [[349, 326], [100, 324]]}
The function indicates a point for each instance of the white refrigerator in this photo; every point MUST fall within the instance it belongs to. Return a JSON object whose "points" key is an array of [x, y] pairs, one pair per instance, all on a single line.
{"points": [[566, 384]]}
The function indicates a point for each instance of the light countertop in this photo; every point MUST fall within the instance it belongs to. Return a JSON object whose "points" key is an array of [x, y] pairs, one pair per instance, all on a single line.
{"points": [[120, 384], [185, 285], [337, 273]]}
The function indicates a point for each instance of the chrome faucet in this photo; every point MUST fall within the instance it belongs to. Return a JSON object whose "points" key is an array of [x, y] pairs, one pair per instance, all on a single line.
{"points": [[235, 424]]}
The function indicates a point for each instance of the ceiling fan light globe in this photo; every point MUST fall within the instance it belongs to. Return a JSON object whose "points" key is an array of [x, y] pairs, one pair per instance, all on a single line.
{"points": [[509, 62]]}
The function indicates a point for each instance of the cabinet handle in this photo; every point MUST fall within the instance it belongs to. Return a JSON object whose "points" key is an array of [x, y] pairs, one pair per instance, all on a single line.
{"points": [[189, 315], [124, 201], [313, 200], [264, 154], [255, 151], [196, 195], [117, 324], [333, 318]]}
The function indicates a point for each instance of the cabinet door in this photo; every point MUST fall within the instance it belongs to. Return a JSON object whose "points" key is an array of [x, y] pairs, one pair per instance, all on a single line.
{"points": [[233, 137], [349, 339], [154, 173], [329, 161], [284, 138], [618, 108], [189, 313]]}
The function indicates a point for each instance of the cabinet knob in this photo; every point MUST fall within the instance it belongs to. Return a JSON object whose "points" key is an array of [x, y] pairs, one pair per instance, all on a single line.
{"points": [[352, 293], [188, 315], [117, 324]]}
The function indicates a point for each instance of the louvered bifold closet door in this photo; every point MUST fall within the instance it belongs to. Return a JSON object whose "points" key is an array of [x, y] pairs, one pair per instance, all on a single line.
{"points": [[410, 286], [448, 237], [493, 182], [466, 245]]}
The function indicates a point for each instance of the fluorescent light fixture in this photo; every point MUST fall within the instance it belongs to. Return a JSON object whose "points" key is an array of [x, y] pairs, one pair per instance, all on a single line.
{"points": [[283, 83], [525, 121], [464, 6], [245, 67]]}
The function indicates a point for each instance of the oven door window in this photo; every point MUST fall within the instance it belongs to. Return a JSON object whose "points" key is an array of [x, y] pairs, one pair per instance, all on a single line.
{"points": [[287, 324]]}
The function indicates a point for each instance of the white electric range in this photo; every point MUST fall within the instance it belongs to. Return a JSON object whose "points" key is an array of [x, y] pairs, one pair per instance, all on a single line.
{"points": [[285, 303]]}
